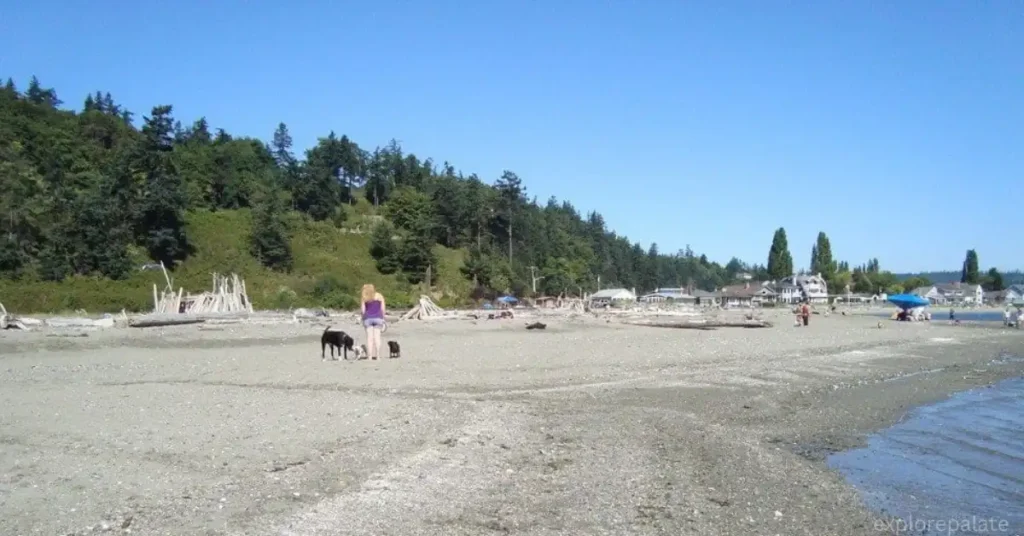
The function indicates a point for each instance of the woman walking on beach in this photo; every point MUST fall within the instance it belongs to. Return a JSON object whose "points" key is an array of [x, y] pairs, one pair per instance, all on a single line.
{"points": [[373, 318], [805, 312]]}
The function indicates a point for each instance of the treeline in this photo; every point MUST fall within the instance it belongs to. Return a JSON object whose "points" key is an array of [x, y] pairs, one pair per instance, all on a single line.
{"points": [[869, 278], [85, 192]]}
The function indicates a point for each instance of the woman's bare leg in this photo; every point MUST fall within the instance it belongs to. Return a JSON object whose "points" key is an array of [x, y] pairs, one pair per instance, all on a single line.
{"points": [[370, 348], [376, 342]]}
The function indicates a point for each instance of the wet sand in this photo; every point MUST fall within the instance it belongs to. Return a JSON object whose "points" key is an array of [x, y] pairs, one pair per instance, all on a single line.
{"points": [[588, 427]]}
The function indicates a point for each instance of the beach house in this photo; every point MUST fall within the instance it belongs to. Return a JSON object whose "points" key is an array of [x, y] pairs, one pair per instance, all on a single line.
{"points": [[674, 295], [746, 295], [965, 293], [610, 296], [705, 298], [786, 292], [1005, 296], [799, 287], [930, 293]]}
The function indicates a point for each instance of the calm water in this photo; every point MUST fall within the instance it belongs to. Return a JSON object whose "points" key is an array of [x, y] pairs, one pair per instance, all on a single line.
{"points": [[955, 467], [938, 313]]}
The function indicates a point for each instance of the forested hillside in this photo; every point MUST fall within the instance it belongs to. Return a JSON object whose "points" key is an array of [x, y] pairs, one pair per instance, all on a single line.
{"points": [[89, 195]]}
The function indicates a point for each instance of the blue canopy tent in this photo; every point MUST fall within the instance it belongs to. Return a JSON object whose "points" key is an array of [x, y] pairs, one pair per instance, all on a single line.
{"points": [[908, 301], [508, 299]]}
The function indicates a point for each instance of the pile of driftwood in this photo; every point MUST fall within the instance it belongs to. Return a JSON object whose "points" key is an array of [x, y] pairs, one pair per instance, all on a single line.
{"points": [[10, 322], [228, 295], [426, 309]]}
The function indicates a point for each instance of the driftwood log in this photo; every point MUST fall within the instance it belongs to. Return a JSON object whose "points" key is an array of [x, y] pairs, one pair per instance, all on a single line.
{"points": [[158, 322], [707, 326]]}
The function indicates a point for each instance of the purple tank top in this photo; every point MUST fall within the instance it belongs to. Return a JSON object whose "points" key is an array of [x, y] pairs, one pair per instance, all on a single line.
{"points": [[373, 309]]}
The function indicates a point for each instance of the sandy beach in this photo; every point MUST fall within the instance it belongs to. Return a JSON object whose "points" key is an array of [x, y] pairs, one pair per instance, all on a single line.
{"points": [[588, 427]]}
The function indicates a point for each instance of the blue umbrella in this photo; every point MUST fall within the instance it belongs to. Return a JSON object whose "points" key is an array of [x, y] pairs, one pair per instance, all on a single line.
{"points": [[908, 301], [507, 299]]}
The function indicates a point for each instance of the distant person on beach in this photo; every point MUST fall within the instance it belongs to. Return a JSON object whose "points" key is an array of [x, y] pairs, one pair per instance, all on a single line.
{"points": [[952, 315], [373, 318], [805, 313]]}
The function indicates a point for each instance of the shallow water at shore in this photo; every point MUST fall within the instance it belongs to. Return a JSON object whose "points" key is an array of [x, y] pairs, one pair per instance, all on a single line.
{"points": [[939, 313], [956, 466]]}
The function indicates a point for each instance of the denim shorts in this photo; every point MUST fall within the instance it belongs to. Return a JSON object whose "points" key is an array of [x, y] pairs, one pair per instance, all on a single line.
{"points": [[373, 322]]}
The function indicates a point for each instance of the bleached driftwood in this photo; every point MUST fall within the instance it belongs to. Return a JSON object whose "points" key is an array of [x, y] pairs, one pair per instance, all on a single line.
{"points": [[161, 321], [426, 309], [228, 295], [8, 321]]}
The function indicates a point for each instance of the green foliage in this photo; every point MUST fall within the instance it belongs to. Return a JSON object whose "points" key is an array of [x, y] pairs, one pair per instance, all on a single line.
{"points": [[413, 216], [163, 200], [780, 262], [970, 269], [993, 280], [870, 279], [270, 232], [384, 249], [87, 198], [916, 282], [330, 292]]}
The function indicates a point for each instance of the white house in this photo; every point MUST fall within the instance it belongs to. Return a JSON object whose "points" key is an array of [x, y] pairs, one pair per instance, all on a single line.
{"points": [[786, 292], [611, 295], [812, 287]]}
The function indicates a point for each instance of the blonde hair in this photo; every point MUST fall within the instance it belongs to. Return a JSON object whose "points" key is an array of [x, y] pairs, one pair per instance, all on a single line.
{"points": [[369, 292]]}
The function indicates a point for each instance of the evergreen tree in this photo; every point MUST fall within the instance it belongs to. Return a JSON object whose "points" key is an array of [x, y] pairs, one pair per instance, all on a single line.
{"points": [[822, 261], [281, 147], [780, 262], [269, 238], [510, 192], [412, 214], [384, 250], [970, 268], [163, 201]]}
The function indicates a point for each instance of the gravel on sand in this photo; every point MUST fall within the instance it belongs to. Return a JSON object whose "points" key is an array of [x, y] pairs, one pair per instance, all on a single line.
{"points": [[586, 427]]}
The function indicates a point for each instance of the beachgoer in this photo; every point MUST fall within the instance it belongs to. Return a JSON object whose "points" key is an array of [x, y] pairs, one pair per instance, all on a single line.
{"points": [[952, 314], [373, 310], [805, 313], [1006, 317]]}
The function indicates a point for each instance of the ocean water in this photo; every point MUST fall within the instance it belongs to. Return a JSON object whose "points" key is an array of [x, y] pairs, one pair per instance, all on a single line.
{"points": [[939, 313], [954, 467]]}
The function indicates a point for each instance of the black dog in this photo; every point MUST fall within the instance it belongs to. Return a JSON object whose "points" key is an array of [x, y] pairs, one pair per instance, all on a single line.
{"points": [[394, 350], [336, 339]]}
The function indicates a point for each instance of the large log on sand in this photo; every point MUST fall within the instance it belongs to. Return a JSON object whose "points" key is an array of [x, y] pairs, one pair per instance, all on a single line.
{"points": [[704, 325], [155, 321]]}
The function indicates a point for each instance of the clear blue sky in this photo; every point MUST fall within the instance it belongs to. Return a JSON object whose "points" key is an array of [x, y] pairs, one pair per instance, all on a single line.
{"points": [[701, 123]]}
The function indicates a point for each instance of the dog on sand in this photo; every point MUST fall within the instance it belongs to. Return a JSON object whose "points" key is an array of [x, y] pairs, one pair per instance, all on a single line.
{"points": [[394, 350], [360, 351], [335, 339]]}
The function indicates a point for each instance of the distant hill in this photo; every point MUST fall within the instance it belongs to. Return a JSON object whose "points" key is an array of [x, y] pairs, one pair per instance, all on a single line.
{"points": [[1009, 278]]}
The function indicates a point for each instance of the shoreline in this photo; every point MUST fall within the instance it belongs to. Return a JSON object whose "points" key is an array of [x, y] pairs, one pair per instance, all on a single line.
{"points": [[589, 426]]}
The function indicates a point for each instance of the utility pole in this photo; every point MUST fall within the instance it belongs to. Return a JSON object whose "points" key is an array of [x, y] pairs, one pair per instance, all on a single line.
{"points": [[534, 278]]}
